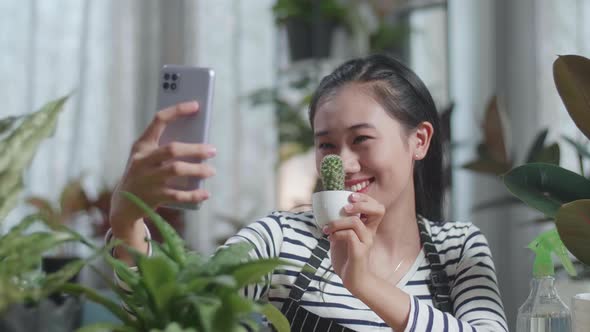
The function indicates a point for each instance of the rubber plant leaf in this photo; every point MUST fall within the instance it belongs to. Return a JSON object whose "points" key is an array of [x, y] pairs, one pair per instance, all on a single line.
{"points": [[571, 74], [573, 225], [546, 187]]}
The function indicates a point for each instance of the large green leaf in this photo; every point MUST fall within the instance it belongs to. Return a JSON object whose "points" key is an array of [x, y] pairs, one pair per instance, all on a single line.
{"points": [[572, 79], [275, 317], [573, 225], [253, 272], [159, 276], [18, 146], [173, 241], [228, 257], [546, 187]]}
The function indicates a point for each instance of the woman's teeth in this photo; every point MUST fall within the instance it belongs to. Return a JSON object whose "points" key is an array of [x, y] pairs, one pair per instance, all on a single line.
{"points": [[358, 186]]}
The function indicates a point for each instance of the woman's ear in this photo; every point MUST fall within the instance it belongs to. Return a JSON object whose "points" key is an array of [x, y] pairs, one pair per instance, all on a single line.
{"points": [[421, 140]]}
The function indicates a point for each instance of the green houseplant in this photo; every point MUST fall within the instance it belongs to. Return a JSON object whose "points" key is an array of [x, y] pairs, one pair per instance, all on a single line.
{"points": [[294, 132], [179, 290], [560, 194], [310, 25], [25, 290]]}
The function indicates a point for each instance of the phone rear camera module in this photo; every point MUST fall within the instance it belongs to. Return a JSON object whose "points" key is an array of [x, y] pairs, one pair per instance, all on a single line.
{"points": [[166, 76], [165, 85], [173, 86], [174, 77]]}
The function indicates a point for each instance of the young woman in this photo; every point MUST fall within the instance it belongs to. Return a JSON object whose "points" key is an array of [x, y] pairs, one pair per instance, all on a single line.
{"points": [[397, 266]]}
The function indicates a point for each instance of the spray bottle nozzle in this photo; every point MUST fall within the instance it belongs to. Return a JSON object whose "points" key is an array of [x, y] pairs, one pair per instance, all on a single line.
{"points": [[543, 245]]}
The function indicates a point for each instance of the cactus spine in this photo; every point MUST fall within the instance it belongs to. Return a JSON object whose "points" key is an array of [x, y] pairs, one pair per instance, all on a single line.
{"points": [[332, 173]]}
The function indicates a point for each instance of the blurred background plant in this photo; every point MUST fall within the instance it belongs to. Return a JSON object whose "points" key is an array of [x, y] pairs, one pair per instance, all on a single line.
{"points": [[29, 292], [562, 195], [310, 25], [290, 107], [494, 157]]}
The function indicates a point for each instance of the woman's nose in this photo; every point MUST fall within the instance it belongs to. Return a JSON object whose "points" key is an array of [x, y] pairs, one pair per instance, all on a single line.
{"points": [[350, 163]]}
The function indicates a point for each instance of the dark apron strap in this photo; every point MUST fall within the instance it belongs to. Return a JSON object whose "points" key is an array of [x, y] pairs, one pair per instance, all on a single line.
{"points": [[302, 282], [439, 281]]}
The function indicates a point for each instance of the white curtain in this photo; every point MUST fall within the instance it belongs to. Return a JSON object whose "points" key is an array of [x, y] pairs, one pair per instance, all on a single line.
{"points": [[109, 54]]}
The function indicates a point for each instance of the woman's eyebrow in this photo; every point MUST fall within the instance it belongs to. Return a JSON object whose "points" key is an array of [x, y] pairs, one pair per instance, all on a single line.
{"points": [[353, 127]]}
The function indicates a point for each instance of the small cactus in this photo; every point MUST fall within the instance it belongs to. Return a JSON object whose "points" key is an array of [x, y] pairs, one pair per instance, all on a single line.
{"points": [[332, 173]]}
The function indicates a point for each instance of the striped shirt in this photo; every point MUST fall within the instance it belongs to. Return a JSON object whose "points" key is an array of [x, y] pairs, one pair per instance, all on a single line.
{"points": [[463, 251]]}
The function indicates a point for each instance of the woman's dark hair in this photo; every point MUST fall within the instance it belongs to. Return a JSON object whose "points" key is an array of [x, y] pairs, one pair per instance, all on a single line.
{"points": [[405, 97]]}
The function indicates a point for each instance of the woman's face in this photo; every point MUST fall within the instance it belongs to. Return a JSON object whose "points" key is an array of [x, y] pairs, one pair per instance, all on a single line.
{"points": [[377, 152]]}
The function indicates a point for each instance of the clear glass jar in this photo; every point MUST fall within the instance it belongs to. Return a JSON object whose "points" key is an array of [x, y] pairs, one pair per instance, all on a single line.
{"points": [[543, 310]]}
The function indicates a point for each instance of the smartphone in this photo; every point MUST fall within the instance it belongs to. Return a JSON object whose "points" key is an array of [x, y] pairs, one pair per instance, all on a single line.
{"points": [[179, 84]]}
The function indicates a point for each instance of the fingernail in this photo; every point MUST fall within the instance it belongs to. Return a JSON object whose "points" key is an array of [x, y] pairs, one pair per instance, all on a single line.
{"points": [[325, 229], [190, 106], [348, 207], [354, 196], [211, 151]]}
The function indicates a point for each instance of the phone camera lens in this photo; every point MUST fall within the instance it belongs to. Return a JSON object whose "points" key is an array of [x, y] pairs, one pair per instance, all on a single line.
{"points": [[165, 85], [173, 86], [174, 77], [166, 76]]}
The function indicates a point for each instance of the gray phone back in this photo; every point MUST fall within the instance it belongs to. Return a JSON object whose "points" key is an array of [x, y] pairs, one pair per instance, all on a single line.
{"points": [[181, 84]]}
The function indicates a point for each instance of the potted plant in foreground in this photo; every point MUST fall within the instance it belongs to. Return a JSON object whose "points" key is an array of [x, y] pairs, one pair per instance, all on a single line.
{"points": [[29, 297], [178, 290]]}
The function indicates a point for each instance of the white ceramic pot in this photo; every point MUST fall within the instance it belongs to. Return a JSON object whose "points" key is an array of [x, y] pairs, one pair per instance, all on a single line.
{"points": [[329, 206], [581, 312]]}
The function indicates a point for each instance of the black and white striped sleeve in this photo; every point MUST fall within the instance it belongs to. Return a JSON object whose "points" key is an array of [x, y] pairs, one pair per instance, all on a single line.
{"points": [[266, 237], [476, 299]]}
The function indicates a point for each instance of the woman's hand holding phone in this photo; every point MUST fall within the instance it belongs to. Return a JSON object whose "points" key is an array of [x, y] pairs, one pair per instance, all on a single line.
{"points": [[150, 167]]}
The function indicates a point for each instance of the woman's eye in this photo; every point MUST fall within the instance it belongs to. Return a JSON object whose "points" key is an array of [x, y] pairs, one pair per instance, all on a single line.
{"points": [[360, 139], [324, 146]]}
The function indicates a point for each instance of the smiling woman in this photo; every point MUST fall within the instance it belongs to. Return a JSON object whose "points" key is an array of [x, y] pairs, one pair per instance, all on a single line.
{"points": [[391, 262]]}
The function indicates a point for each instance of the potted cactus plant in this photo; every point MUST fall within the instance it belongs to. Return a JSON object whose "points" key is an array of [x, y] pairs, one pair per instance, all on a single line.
{"points": [[328, 204]]}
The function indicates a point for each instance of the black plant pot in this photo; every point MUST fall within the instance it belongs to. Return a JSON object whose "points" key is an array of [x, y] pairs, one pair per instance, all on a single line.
{"points": [[53, 264], [309, 39], [46, 316]]}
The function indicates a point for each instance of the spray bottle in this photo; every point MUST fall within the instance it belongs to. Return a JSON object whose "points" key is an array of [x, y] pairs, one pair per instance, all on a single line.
{"points": [[543, 311]]}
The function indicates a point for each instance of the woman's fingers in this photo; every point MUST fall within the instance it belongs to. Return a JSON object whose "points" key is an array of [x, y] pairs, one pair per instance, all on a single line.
{"points": [[182, 196], [350, 223], [183, 168], [367, 207], [180, 150], [165, 116]]}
